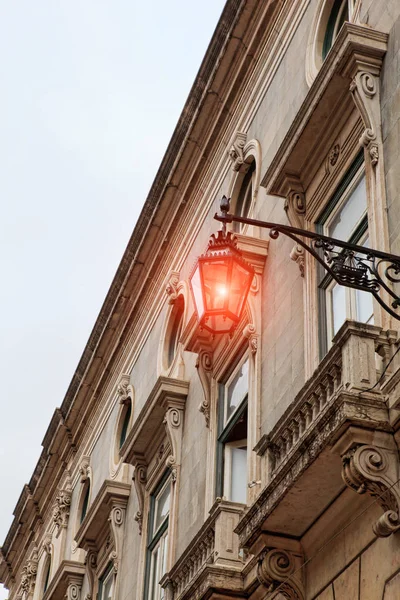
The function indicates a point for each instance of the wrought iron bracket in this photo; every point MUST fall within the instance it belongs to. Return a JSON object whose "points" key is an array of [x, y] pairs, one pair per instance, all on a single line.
{"points": [[349, 265]]}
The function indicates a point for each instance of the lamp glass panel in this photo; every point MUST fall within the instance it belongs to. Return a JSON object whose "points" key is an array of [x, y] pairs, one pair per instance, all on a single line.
{"points": [[219, 323], [216, 283], [240, 280], [197, 291]]}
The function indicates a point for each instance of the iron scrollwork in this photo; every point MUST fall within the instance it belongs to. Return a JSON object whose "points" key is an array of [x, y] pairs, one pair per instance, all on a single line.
{"points": [[350, 265]]}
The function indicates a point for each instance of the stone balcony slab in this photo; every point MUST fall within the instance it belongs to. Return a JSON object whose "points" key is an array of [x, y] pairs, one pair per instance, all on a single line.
{"points": [[304, 474]]}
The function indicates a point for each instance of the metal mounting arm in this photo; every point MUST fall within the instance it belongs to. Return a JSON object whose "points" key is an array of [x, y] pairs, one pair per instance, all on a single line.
{"points": [[350, 265]]}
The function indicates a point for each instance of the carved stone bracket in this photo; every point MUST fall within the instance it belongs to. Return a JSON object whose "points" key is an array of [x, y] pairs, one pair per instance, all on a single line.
{"points": [[172, 286], [123, 390], [61, 508], [364, 88], [73, 592], [117, 519], [295, 205], [173, 422], [46, 544], [84, 468], [374, 470], [204, 364], [91, 566], [297, 255], [236, 151], [251, 334], [140, 479], [28, 579], [279, 570]]}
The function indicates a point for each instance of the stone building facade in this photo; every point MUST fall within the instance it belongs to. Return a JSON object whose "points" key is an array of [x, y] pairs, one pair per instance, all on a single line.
{"points": [[262, 464]]}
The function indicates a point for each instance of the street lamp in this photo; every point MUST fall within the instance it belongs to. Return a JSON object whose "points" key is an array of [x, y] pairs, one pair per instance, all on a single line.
{"points": [[221, 279]]}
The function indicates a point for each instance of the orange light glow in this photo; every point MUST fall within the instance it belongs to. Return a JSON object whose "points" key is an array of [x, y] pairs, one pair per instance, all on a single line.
{"points": [[221, 290]]}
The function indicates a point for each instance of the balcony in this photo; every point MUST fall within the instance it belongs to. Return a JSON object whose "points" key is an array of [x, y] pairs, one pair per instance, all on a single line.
{"points": [[212, 561], [304, 471]]}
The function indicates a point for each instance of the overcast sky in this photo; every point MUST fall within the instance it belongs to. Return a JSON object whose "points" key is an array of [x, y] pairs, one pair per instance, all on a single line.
{"points": [[91, 91]]}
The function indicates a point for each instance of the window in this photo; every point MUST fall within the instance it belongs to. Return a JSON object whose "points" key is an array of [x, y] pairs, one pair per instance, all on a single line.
{"points": [[125, 421], [340, 13], [85, 500], [46, 572], [157, 547], [106, 584], [173, 332], [245, 196], [345, 218], [232, 438]]}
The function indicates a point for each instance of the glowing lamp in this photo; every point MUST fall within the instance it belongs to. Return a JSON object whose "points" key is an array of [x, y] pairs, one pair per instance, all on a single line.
{"points": [[220, 282]]}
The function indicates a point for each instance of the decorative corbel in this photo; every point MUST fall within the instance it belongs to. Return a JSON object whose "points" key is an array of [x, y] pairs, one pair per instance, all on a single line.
{"points": [[84, 468], [236, 153], [295, 204], [117, 519], [173, 422], [374, 470], [140, 479], [365, 91], [29, 573], [46, 544], [91, 566], [297, 255], [204, 366], [123, 390], [279, 569], [251, 334], [172, 286], [61, 508], [73, 591]]}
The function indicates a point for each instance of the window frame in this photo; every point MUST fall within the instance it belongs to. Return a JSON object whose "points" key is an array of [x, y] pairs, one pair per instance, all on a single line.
{"points": [[325, 282], [154, 537], [103, 579], [225, 428]]}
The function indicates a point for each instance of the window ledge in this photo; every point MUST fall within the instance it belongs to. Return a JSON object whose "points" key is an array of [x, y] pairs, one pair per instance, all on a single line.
{"points": [[67, 582], [357, 48], [305, 475]]}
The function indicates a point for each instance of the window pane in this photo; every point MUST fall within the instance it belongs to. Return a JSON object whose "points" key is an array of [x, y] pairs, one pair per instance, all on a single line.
{"points": [[108, 588], [349, 215], [154, 589], [238, 492], [365, 311], [162, 507], [238, 389], [338, 297]]}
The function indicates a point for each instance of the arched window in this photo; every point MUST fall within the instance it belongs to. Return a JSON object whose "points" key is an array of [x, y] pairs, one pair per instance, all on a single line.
{"points": [[174, 330], [85, 500], [125, 421], [46, 572], [243, 203], [340, 13]]}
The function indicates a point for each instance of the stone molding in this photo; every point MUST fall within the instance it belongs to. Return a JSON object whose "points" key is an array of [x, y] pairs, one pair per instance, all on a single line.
{"points": [[61, 508], [140, 480], [124, 389], [171, 287], [84, 469], [236, 151], [204, 366], [28, 576]]}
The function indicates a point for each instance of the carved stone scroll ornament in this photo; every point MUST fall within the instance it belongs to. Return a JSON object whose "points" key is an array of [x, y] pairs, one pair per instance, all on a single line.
{"points": [[84, 468], [117, 519], [295, 207], [297, 255], [91, 566], [373, 470], [28, 579], [46, 544], [140, 479], [250, 333], [277, 572], [61, 508], [364, 89], [73, 592], [123, 389], [236, 153], [172, 286], [204, 366], [173, 422]]}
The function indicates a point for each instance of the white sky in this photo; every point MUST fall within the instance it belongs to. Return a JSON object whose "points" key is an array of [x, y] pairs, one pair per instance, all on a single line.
{"points": [[91, 91]]}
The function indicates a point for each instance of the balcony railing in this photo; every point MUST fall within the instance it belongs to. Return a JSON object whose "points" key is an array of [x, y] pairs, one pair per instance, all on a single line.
{"points": [[212, 559]]}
